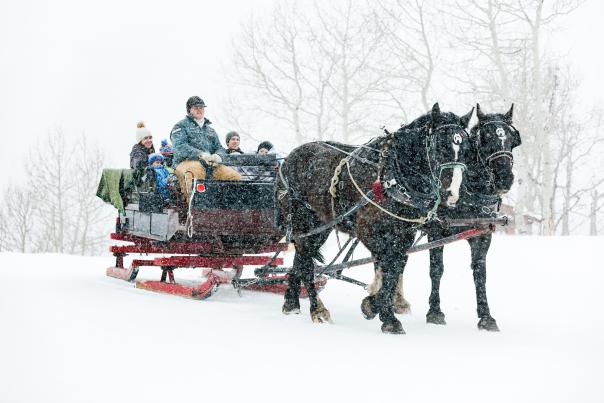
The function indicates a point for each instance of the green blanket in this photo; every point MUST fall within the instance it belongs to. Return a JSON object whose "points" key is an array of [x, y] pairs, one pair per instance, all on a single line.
{"points": [[115, 184]]}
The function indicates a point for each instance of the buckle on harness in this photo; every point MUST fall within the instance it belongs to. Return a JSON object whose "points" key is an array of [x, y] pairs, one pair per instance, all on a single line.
{"points": [[390, 183]]}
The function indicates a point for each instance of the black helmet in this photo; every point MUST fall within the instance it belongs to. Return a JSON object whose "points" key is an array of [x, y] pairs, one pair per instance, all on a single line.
{"points": [[194, 101]]}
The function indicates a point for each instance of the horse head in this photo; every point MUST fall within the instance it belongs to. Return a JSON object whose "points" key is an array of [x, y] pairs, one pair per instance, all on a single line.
{"points": [[496, 137], [450, 150], [434, 149]]}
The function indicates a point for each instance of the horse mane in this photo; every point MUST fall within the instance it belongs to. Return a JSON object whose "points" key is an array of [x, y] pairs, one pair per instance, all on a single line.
{"points": [[419, 123]]}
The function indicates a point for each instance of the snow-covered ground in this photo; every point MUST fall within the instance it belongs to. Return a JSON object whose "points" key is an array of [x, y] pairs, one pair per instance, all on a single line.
{"points": [[68, 333]]}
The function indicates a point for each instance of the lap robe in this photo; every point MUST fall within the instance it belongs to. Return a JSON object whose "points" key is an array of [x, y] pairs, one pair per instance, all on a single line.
{"points": [[187, 170]]}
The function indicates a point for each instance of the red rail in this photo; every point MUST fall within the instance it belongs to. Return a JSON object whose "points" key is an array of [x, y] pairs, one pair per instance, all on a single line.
{"points": [[215, 261], [143, 245]]}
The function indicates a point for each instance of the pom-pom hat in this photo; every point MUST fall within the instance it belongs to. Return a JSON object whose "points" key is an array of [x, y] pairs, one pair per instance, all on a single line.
{"points": [[141, 132]]}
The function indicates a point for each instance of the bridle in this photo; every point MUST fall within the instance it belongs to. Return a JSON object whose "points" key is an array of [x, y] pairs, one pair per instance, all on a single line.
{"points": [[445, 165], [497, 154]]}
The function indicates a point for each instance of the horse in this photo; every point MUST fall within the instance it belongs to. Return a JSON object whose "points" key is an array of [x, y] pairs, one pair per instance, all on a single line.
{"points": [[380, 192], [488, 176]]}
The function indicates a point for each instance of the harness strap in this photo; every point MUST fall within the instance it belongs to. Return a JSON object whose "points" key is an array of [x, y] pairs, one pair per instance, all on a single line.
{"points": [[352, 154], [500, 154], [362, 202], [420, 220]]}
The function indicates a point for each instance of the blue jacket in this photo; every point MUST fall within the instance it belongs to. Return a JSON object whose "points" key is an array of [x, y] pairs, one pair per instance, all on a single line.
{"points": [[161, 181], [190, 140]]}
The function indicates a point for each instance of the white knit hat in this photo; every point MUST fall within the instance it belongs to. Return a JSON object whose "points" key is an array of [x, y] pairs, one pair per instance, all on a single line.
{"points": [[141, 131]]}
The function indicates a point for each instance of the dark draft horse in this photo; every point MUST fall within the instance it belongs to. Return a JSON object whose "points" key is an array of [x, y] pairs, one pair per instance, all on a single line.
{"points": [[488, 175], [381, 191]]}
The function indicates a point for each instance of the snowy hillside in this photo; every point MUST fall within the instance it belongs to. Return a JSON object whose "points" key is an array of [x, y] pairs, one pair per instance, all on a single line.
{"points": [[68, 333]]}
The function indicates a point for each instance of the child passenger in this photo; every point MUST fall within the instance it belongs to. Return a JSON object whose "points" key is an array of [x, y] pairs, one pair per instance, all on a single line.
{"points": [[156, 161], [167, 151]]}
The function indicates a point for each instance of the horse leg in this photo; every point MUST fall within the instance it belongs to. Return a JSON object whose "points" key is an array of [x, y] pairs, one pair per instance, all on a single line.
{"points": [[376, 284], [381, 303], [401, 306], [435, 315], [480, 247], [292, 294], [311, 246]]}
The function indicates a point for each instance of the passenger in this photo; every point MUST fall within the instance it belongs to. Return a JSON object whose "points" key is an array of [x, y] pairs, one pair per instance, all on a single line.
{"points": [[266, 173], [156, 161], [194, 140], [143, 147], [167, 151], [232, 141], [265, 147]]}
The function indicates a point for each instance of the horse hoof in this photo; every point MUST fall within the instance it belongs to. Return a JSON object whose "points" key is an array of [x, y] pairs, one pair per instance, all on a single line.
{"points": [[291, 307], [321, 316], [488, 324], [402, 309], [366, 309], [436, 318], [393, 327], [400, 305]]}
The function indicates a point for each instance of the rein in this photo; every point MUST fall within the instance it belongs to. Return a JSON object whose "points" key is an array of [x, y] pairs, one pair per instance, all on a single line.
{"points": [[400, 194]]}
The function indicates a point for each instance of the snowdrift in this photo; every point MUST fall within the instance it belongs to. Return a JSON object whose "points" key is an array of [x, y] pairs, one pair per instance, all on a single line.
{"points": [[71, 334]]}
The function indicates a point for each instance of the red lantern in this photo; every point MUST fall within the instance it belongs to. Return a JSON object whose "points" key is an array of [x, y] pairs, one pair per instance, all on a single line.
{"points": [[201, 187]]}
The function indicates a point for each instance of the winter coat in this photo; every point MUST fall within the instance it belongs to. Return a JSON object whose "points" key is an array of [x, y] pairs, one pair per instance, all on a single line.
{"points": [[161, 181], [190, 140], [139, 156]]}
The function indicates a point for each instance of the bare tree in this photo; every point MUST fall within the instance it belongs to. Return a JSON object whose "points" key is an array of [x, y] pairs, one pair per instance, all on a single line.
{"points": [[17, 219], [411, 64], [48, 167], [313, 69], [578, 142], [56, 209], [508, 63], [355, 44], [90, 219], [596, 205], [267, 60]]}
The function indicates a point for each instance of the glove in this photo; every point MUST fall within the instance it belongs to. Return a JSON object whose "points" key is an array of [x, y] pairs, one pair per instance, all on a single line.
{"points": [[215, 158], [205, 156]]}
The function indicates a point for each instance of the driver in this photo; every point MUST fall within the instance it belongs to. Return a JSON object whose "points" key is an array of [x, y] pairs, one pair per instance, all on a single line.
{"points": [[194, 140]]}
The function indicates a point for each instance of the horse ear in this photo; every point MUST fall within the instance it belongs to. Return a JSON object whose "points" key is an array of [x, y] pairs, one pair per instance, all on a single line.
{"points": [[465, 120], [435, 112], [508, 116], [479, 113]]}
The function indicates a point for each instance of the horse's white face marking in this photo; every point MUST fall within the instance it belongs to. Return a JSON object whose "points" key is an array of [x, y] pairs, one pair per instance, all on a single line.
{"points": [[454, 187], [502, 136], [457, 139], [456, 149]]}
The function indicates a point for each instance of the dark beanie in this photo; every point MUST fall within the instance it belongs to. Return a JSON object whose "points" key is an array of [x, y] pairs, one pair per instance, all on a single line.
{"points": [[194, 101], [230, 135], [265, 144]]}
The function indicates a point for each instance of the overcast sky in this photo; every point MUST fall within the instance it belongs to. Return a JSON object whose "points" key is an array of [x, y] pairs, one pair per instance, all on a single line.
{"points": [[99, 67]]}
